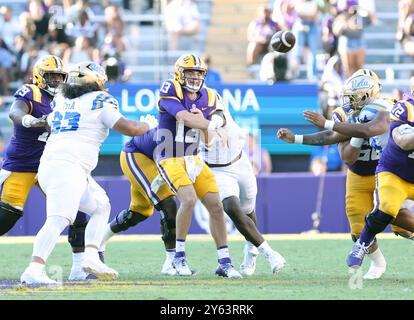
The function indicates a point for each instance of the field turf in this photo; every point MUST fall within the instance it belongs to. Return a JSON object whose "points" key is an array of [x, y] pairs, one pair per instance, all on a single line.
{"points": [[315, 270]]}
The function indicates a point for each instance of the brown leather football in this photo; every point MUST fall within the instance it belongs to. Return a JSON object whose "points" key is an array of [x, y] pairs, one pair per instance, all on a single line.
{"points": [[283, 41]]}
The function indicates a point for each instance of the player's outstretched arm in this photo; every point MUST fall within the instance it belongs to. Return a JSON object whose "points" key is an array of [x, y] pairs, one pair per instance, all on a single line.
{"points": [[19, 114], [375, 127], [322, 138], [130, 127], [404, 140]]}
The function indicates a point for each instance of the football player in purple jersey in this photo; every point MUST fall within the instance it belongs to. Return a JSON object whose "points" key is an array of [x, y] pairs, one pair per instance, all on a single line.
{"points": [[185, 108]]}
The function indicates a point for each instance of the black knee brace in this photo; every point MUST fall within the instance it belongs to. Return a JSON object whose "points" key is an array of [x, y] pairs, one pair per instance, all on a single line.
{"points": [[8, 217], [125, 220], [76, 232], [168, 211], [377, 221]]}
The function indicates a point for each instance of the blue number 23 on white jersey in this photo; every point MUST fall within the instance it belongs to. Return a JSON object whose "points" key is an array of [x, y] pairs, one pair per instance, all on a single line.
{"points": [[67, 122]]}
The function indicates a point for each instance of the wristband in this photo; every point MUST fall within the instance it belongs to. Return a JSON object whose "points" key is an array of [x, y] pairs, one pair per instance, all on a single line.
{"points": [[215, 123], [28, 120], [356, 142], [299, 138], [329, 124]]}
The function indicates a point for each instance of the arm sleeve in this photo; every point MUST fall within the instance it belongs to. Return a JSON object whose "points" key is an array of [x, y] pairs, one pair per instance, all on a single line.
{"points": [[110, 115]]}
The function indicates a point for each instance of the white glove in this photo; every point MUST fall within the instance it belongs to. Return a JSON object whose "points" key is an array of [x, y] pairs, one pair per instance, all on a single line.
{"points": [[29, 121], [150, 120]]}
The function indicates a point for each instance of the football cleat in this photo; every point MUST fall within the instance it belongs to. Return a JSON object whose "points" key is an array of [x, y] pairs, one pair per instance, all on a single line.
{"points": [[167, 267], [77, 274], [98, 268], [248, 266], [277, 262], [357, 254], [375, 271], [181, 267], [31, 276], [226, 270]]}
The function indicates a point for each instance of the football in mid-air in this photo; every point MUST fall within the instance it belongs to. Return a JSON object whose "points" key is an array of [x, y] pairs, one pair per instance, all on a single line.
{"points": [[283, 41]]}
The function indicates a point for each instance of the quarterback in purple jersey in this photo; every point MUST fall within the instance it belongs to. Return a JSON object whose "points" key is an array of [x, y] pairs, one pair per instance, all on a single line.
{"points": [[185, 108]]}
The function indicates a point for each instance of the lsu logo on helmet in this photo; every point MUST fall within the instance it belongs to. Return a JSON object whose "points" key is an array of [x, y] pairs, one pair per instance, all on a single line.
{"points": [[189, 62], [49, 73]]}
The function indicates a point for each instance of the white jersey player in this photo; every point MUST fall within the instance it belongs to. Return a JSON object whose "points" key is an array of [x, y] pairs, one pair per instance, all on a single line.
{"points": [[238, 189], [80, 121]]}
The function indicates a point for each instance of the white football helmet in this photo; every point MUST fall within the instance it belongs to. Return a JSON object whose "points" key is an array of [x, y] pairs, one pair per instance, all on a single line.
{"points": [[361, 88], [87, 72]]}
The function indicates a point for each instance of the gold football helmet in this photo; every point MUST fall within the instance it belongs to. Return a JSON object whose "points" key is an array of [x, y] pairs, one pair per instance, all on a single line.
{"points": [[88, 72], [361, 88], [48, 73], [190, 62]]}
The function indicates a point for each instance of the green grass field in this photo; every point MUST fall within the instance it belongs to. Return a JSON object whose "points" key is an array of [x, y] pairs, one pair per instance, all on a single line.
{"points": [[316, 270]]}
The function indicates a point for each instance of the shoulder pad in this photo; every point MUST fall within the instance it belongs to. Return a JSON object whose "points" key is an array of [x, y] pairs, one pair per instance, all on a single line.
{"points": [[171, 89], [103, 98], [212, 95], [403, 111], [338, 115], [29, 92]]}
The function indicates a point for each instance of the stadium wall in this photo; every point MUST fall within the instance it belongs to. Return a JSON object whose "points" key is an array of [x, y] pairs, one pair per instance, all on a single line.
{"points": [[284, 205]]}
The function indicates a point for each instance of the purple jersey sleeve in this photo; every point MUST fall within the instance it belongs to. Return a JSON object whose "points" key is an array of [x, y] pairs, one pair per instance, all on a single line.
{"points": [[169, 99], [338, 115], [400, 112], [25, 94]]}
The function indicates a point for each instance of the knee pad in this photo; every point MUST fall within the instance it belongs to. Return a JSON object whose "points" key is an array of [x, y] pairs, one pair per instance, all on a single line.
{"points": [[9, 215], [76, 232], [168, 211], [125, 220], [377, 221]]}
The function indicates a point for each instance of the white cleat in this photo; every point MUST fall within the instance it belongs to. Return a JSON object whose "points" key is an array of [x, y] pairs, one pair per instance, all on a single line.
{"points": [[98, 268], [277, 262], [374, 272], [181, 267], [248, 266], [168, 268], [36, 277]]}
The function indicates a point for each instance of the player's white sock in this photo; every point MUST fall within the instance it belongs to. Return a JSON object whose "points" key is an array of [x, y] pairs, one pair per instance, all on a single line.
{"points": [[223, 254], [265, 249], [47, 237], [108, 234], [77, 259], [96, 227], [377, 258], [250, 247], [169, 254], [179, 248], [36, 267]]}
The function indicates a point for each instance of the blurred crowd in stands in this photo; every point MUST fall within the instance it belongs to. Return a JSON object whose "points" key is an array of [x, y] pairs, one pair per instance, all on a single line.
{"points": [[324, 29], [70, 29]]}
